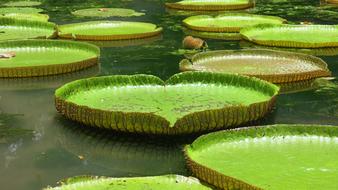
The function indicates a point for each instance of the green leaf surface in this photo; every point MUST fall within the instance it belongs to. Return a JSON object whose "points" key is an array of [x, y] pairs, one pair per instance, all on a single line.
{"points": [[181, 96], [306, 36], [26, 10], [212, 2], [31, 55], [27, 16], [22, 3], [211, 5], [268, 157], [110, 29], [232, 22], [213, 35], [168, 182], [106, 12], [12, 29], [274, 66]]}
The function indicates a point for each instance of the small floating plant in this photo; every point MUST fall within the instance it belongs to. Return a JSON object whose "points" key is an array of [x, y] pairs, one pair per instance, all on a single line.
{"points": [[190, 102]]}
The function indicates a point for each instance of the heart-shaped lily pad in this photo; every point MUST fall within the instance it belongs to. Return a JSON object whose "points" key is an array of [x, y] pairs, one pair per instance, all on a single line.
{"points": [[300, 36], [270, 65], [108, 30], [268, 157], [26, 10], [167, 182], [22, 3], [27, 16], [213, 35], [46, 57], [211, 5], [189, 102], [106, 12], [11, 29], [228, 22]]}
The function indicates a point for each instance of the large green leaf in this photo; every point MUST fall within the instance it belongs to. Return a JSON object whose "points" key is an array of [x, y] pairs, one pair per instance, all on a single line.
{"points": [[189, 102], [168, 182], [108, 30], [273, 66], [269, 157], [11, 29], [228, 22], [26, 10], [211, 5], [46, 57], [27, 16], [213, 35], [22, 3], [106, 12], [300, 36]]}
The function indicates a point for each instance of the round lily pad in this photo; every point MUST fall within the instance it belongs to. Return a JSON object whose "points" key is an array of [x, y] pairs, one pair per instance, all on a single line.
{"points": [[27, 16], [270, 65], [213, 35], [106, 12], [26, 10], [125, 43], [300, 36], [211, 5], [11, 29], [45, 57], [268, 157], [22, 3], [108, 30], [167, 182], [189, 102], [228, 22]]}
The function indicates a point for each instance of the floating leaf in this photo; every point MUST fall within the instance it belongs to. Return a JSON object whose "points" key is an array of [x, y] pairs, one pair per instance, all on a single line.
{"points": [[27, 16], [167, 182], [189, 102], [213, 35], [26, 10], [267, 157], [273, 66], [22, 3], [228, 22], [211, 5], [300, 36], [109, 30], [46, 57], [107, 12], [11, 29]]}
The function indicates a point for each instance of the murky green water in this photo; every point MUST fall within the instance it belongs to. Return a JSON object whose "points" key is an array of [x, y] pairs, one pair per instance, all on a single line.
{"points": [[59, 148]]}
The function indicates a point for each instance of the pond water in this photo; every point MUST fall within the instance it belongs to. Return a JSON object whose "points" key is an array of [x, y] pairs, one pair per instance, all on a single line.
{"points": [[58, 148]]}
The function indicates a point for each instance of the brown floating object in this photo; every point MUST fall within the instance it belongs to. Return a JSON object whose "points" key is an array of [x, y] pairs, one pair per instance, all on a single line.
{"points": [[190, 42], [8, 54]]}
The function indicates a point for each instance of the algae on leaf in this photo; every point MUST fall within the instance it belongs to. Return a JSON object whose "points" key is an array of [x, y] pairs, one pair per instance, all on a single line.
{"points": [[267, 157], [189, 102], [106, 12], [168, 182]]}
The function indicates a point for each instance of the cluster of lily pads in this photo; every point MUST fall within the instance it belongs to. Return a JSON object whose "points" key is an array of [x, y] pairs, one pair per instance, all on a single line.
{"points": [[217, 90]]}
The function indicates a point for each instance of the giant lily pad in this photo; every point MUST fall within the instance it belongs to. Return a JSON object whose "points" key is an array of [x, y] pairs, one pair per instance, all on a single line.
{"points": [[228, 22], [300, 36], [26, 10], [211, 5], [27, 16], [108, 30], [106, 12], [189, 102], [167, 182], [213, 35], [22, 3], [273, 66], [11, 29], [270, 157], [46, 57]]}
